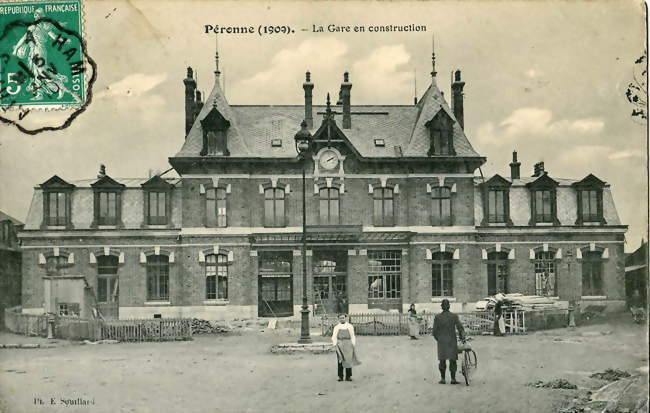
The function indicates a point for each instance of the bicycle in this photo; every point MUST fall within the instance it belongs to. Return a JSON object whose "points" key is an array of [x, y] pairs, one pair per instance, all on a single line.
{"points": [[469, 361]]}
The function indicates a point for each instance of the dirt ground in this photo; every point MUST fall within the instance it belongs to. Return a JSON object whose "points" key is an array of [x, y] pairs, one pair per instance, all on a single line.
{"points": [[237, 373]]}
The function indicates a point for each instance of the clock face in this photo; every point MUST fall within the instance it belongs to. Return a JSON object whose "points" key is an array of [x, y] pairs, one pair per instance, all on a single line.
{"points": [[329, 159]]}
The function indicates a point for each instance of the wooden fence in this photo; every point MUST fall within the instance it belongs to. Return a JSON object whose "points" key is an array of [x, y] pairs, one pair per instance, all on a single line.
{"points": [[75, 328], [393, 324]]}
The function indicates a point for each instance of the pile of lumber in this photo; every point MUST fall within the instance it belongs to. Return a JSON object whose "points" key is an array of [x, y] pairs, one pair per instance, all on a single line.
{"points": [[518, 301], [206, 327]]}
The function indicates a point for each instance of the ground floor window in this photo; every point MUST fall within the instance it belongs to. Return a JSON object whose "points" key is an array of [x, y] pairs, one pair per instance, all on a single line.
{"points": [[157, 278], [592, 273], [107, 284], [498, 273], [330, 274], [216, 277], [442, 283], [545, 279], [384, 274], [275, 283]]}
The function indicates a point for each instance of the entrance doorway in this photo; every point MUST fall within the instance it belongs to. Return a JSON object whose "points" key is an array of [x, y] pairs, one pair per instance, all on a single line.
{"points": [[107, 286], [330, 271], [498, 273], [275, 284]]}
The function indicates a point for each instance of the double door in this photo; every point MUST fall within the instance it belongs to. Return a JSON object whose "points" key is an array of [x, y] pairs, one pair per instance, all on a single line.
{"points": [[329, 269]]}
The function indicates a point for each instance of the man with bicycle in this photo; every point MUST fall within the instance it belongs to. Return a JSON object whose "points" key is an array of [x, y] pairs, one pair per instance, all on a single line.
{"points": [[445, 325]]}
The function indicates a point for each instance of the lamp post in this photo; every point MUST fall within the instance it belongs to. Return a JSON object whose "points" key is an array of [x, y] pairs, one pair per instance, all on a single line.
{"points": [[303, 146]]}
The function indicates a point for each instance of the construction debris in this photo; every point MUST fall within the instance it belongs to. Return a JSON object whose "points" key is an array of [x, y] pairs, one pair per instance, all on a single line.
{"points": [[553, 384], [206, 327], [518, 301], [611, 375]]}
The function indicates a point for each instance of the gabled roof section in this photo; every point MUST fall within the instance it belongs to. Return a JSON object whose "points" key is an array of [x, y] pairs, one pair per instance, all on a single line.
{"points": [[56, 182], [335, 132], [497, 181], [214, 120], [543, 181], [107, 182], [590, 181], [6, 217], [156, 182], [429, 105], [236, 140]]}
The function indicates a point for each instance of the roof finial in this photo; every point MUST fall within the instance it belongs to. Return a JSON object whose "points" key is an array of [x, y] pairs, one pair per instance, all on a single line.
{"points": [[216, 56], [433, 58], [328, 110]]}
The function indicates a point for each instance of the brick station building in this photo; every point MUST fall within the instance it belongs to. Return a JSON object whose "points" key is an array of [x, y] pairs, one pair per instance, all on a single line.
{"points": [[396, 214]]}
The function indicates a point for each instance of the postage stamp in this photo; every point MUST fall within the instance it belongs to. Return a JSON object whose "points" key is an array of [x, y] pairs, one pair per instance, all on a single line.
{"points": [[42, 55]]}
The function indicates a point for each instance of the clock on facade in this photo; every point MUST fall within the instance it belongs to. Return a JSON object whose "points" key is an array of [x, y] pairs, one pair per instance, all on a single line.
{"points": [[329, 159]]}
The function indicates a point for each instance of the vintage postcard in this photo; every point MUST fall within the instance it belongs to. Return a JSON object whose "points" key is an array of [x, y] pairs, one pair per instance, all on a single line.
{"points": [[292, 206]]}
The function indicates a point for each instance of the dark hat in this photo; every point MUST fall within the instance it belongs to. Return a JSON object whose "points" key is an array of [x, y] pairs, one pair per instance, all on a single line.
{"points": [[445, 304]]}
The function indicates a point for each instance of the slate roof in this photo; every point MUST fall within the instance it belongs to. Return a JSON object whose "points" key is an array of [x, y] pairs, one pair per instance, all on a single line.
{"points": [[254, 126], [127, 182]]}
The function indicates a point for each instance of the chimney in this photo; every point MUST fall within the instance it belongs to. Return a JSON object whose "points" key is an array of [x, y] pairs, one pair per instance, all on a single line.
{"points": [[457, 99], [346, 86], [190, 88], [309, 87], [539, 169], [102, 171], [514, 167], [198, 104]]}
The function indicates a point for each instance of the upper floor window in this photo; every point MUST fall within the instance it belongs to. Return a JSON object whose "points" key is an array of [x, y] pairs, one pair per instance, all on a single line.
{"points": [[216, 277], [157, 278], [545, 273], [543, 210], [383, 215], [56, 266], [543, 192], [157, 208], [440, 206], [57, 211], [274, 207], [216, 207], [441, 134], [496, 207], [107, 208], [329, 206], [442, 283], [592, 273], [590, 200]]}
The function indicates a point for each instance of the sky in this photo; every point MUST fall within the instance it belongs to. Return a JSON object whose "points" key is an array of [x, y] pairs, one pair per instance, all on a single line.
{"points": [[545, 78]]}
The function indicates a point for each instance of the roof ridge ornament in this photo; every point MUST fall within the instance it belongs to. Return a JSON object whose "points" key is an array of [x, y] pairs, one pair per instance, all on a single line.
{"points": [[433, 60], [216, 56]]}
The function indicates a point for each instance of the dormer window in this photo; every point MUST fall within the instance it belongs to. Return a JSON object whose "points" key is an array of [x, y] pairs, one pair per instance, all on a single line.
{"points": [[157, 201], [441, 132], [543, 201], [215, 127], [57, 203], [496, 201], [589, 193], [108, 200]]}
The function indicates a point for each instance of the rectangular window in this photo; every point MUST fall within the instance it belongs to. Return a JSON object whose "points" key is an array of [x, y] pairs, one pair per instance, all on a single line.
{"points": [[157, 208], [440, 206], [329, 206], [545, 280], [216, 207], [107, 284], [496, 206], [107, 208], [274, 207], [543, 206], [592, 274], [384, 274], [442, 284], [383, 215], [57, 211], [157, 278], [216, 277], [590, 211]]}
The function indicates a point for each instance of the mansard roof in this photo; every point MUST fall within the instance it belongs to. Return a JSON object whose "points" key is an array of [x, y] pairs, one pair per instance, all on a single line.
{"points": [[254, 126]]}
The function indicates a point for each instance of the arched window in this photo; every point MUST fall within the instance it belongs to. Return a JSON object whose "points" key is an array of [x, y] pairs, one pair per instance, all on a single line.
{"points": [[216, 207], [498, 272], [274, 207], [329, 206], [592, 273], [383, 207], [545, 276], [442, 283], [440, 206], [157, 278], [107, 284], [56, 266], [216, 277]]}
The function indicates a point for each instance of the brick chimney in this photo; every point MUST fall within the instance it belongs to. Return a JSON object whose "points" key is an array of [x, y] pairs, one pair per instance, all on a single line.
{"points": [[538, 169], [457, 99], [346, 86], [515, 172], [190, 88], [198, 104], [309, 112]]}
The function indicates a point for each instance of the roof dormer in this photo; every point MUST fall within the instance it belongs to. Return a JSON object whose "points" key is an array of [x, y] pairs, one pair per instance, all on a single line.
{"points": [[215, 133], [441, 134]]}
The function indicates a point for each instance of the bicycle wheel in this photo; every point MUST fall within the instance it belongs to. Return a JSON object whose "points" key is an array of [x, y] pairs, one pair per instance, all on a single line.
{"points": [[466, 367]]}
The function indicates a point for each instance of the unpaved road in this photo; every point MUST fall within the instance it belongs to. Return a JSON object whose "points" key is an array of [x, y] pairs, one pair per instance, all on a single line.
{"points": [[236, 373]]}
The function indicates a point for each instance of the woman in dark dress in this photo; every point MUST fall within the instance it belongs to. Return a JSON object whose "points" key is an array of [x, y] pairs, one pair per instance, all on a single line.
{"points": [[414, 326]]}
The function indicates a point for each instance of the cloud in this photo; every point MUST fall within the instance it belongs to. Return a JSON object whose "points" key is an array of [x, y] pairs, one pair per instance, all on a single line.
{"points": [[135, 84], [536, 122], [624, 154], [531, 73], [380, 76], [587, 153]]}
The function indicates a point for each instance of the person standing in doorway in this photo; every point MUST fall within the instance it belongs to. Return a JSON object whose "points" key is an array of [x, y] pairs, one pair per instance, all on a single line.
{"points": [[445, 325], [498, 313], [414, 326], [345, 342]]}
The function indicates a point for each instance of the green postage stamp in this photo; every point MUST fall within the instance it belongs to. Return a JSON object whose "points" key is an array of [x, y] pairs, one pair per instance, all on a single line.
{"points": [[42, 54]]}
